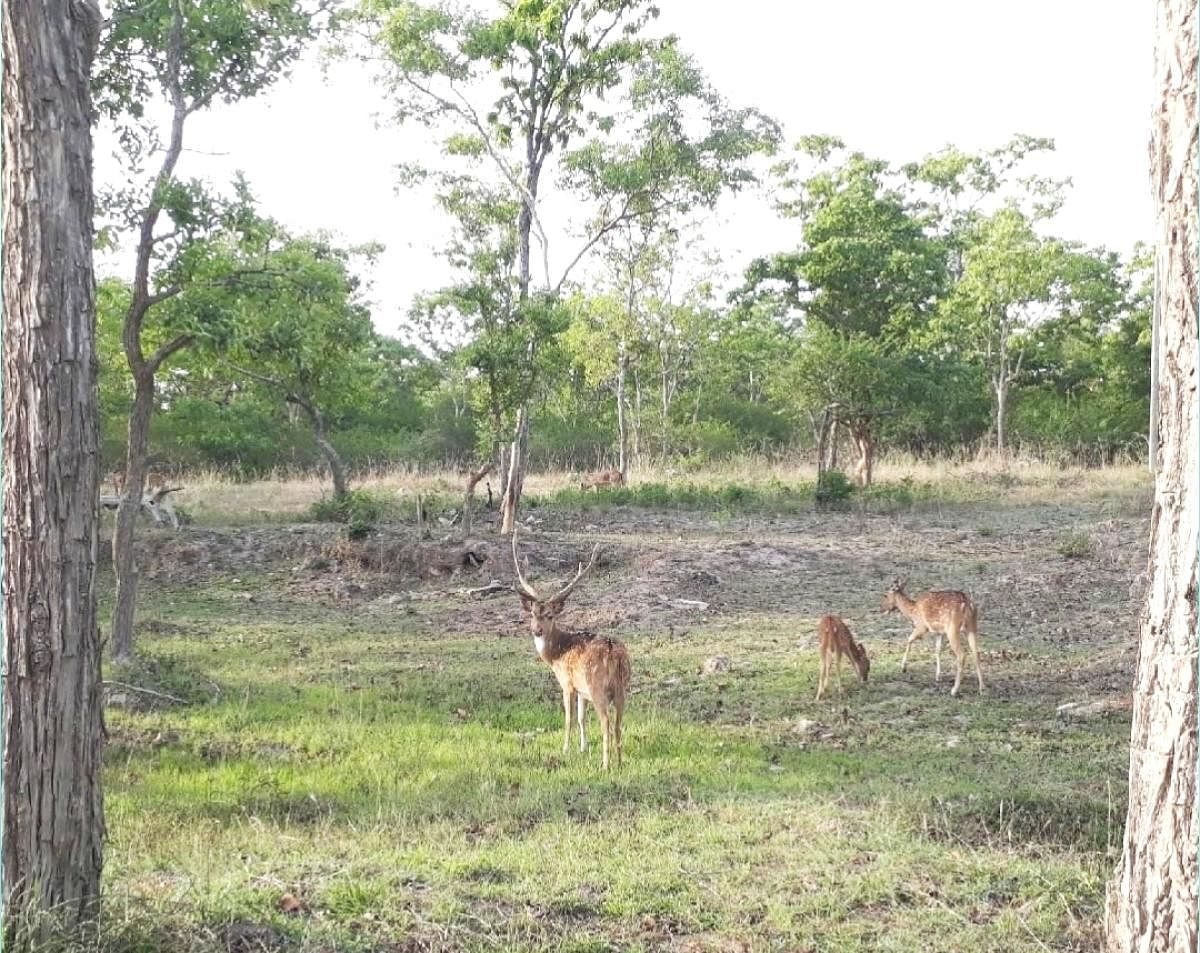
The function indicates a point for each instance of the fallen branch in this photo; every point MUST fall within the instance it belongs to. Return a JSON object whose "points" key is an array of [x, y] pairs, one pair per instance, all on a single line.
{"points": [[492, 588], [144, 691]]}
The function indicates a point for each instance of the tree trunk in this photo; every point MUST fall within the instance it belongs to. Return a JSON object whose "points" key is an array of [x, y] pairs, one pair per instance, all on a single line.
{"points": [[1001, 386], [53, 716], [622, 426], [469, 497], [337, 470], [124, 558], [1151, 903], [637, 415], [864, 443], [517, 456]]}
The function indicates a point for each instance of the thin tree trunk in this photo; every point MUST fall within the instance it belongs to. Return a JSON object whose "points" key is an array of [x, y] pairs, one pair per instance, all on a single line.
{"points": [[1151, 902], [517, 455], [864, 443], [622, 426], [123, 555], [144, 369], [337, 470], [53, 716], [1001, 412], [469, 497], [637, 415]]}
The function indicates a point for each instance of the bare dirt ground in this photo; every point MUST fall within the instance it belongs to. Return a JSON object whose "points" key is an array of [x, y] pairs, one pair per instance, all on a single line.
{"points": [[1050, 578]]}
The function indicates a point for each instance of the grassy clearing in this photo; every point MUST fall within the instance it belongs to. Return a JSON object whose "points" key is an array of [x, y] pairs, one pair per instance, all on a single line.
{"points": [[744, 485], [391, 777]]}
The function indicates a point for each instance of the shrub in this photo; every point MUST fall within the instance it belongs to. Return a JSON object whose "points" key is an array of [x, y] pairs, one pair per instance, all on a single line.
{"points": [[360, 510], [834, 487]]}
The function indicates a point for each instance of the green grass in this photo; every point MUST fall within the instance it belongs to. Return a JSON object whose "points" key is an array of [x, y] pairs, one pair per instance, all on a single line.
{"points": [[396, 770], [408, 784]]}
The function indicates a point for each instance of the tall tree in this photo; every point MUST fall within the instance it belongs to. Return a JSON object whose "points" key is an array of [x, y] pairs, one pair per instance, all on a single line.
{"points": [[191, 53], [1008, 277], [302, 330], [53, 812], [1152, 897], [547, 63]]}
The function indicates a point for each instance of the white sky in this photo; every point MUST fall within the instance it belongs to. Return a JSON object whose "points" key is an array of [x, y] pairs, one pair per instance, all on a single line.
{"points": [[895, 78]]}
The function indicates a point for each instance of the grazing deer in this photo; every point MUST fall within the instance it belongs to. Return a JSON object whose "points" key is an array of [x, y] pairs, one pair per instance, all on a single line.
{"points": [[950, 613], [837, 640], [603, 478], [588, 667]]}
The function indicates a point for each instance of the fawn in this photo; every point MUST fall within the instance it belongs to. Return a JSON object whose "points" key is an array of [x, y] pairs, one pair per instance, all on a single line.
{"points": [[948, 612], [588, 667], [603, 478], [837, 640]]}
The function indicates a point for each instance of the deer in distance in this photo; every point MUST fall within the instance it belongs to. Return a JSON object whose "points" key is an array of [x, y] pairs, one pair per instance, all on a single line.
{"points": [[589, 667], [602, 479], [948, 613], [835, 640], [154, 481]]}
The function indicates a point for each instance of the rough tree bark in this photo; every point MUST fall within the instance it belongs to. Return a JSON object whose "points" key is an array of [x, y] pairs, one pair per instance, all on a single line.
{"points": [[53, 812], [1151, 903]]}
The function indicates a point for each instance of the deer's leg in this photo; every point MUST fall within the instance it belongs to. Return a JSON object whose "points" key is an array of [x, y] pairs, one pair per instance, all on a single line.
{"points": [[618, 717], [839, 674], [822, 675], [937, 658], [971, 639], [959, 658], [917, 632], [605, 727], [568, 698], [581, 712]]}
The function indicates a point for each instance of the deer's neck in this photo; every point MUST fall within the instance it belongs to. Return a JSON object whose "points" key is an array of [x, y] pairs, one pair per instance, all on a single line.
{"points": [[906, 605], [550, 645]]}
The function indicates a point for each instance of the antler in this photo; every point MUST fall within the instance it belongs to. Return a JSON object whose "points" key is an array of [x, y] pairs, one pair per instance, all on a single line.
{"points": [[579, 574], [522, 583]]}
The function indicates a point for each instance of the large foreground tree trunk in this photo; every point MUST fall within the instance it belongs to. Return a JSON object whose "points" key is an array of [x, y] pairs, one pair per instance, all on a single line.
{"points": [[1151, 904], [53, 813]]}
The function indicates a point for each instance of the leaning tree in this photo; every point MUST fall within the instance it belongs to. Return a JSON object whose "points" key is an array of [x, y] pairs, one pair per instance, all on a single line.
{"points": [[1152, 897], [53, 812]]}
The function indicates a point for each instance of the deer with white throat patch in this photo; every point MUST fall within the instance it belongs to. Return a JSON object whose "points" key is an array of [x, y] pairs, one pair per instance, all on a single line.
{"points": [[588, 667]]}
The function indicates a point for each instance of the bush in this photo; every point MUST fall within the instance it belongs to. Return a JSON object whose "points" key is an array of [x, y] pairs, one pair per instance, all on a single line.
{"points": [[834, 487], [360, 510]]}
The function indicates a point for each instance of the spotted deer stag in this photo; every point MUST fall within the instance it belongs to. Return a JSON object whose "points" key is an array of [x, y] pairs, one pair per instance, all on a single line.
{"points": [[602, 479], [835, 640], [947, 613], [588, 667]]}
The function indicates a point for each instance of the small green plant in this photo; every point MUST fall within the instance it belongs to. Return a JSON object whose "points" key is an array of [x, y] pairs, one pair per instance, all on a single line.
{"points": [[1075, 546], [986, 530], [834, 487], [360, 510]]}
